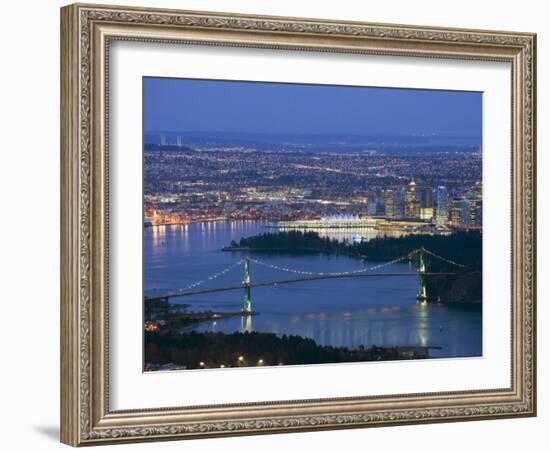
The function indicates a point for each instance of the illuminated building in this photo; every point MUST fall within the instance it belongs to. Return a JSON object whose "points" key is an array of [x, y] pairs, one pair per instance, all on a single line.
{"points": [[442, 213], [412, 206], [476, 205], [151, 327], [339, 221], [389, 206], [460, 212], [426, 213]]}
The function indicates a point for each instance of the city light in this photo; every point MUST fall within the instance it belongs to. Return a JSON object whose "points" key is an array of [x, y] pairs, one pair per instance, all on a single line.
{"points": [[222, 212], [372, 186]]}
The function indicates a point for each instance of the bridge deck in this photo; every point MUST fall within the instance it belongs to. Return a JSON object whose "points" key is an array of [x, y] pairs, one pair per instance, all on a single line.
{"points": [[294, 280]]}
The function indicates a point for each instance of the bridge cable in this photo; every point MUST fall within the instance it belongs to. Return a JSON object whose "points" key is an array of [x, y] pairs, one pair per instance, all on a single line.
{"points": [[312, 273], [445, 259], [212, 277], [307, 272]]}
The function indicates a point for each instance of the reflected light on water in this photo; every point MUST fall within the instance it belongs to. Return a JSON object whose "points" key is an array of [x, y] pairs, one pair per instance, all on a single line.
{"points": [[159, 237], [246, 324], [334, 312], [185, 238], [423, 325]]}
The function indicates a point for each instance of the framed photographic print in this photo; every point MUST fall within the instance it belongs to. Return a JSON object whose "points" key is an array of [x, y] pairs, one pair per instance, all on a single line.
{"points": [[275, 224]]}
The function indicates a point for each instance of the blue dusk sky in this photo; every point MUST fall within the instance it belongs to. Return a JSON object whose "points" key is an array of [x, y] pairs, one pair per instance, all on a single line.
{"points": [[281, 108]]}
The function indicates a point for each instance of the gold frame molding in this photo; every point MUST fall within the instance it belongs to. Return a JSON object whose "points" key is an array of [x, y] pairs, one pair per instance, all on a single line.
{"points": [[86, 31]]}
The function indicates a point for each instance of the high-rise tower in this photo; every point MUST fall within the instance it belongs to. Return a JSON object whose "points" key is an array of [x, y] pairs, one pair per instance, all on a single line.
{"points": [[389, 204], [476, 205], [459, 212], [412, 206], [442, 212]]}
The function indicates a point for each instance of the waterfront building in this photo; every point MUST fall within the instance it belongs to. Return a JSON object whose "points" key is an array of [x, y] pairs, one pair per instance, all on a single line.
{"points": [[339, 221], [426, 213], [442, 213], [389, 204], [341, 217], [412, 206]]}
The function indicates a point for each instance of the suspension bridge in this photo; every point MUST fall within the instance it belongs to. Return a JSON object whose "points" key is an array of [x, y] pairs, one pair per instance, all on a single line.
{"points": [[304, 276]]}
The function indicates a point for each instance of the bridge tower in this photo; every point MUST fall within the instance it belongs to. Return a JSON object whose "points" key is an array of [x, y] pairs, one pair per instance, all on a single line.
{"points": [[422, 294], [247, 303]]}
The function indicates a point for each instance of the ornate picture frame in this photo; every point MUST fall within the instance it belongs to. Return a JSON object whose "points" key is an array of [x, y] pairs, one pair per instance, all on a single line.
{"points": [[87, 32]]}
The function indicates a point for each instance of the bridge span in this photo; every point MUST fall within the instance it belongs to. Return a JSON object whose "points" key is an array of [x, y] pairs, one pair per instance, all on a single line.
{"points": [[305, 276], [294, 280]]}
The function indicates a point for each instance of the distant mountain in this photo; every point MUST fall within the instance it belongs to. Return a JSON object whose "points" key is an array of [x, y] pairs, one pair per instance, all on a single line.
{"points": [[157, 147], [340, 143]]}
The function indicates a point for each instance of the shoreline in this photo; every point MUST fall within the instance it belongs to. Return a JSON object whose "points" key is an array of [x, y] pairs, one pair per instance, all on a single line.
{"points": [[190, 222], [192, 350]]}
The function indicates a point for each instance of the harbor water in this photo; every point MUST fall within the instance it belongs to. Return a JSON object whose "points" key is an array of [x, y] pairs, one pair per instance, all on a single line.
{"points": [[350, 312]]}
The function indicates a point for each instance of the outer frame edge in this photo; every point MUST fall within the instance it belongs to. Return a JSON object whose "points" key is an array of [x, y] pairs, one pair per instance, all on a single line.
{"points": [[69, 432], [71, 243]]}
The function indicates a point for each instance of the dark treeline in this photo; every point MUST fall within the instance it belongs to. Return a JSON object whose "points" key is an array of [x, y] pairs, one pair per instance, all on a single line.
{"points": [[462, 247], [216, 349], [292, 241]]}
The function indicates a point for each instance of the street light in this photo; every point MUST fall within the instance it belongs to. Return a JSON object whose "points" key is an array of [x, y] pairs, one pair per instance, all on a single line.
{"points": [[260, 361], [201, 364]]}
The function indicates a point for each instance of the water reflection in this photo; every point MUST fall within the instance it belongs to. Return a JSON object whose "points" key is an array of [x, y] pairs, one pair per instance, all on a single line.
{"points": [[338, 312], [246, 323], [423, 324]]}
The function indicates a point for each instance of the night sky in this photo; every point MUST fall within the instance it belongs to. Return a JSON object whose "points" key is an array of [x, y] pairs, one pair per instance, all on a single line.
{"points": [[280, 108]]}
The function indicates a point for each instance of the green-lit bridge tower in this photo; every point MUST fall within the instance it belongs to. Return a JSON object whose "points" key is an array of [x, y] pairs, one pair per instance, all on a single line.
{"points": [[247, 303], [422, 294]]}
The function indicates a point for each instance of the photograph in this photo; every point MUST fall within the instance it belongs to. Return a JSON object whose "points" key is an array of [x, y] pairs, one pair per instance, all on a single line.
{"points": [[296, 224]]}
